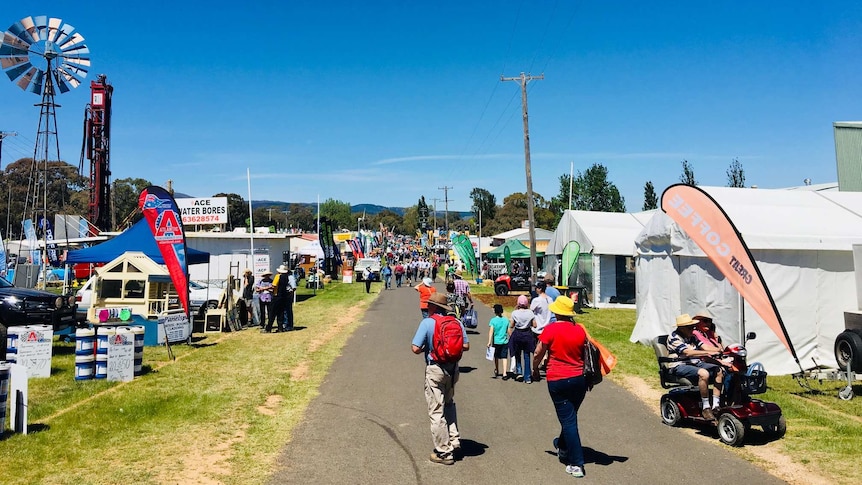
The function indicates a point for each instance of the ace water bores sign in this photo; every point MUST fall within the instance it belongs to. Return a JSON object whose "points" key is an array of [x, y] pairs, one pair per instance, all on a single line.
{"points": [[208, 210]]}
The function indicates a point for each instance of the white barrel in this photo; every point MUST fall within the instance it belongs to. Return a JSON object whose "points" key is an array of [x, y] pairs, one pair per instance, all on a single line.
{"points": [[85, 341], [138, 330], [101, 366], [12, 337], [85, 367], [102, 335], [4, 393]]}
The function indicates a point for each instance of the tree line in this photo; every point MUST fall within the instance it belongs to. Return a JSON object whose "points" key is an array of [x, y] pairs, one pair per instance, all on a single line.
{"points": [[591, 190]]}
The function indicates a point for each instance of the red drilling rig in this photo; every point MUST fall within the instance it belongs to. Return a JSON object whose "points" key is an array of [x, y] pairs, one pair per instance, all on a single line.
{"points": [[97, 133]]}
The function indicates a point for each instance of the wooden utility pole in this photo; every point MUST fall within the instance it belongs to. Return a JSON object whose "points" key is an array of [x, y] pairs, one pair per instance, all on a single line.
{"points": [[4, 134], [523, 80], [446, 201], [434, 200]]}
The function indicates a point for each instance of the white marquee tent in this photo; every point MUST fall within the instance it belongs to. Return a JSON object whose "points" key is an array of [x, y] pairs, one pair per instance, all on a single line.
{"points": [[802, 242], [603, 236]]}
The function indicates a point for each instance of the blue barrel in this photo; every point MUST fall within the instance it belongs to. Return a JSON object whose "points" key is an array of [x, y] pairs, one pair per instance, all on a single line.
{"points": [[12, 335], [102, 335], [101, 366], [85, 341], [139, 331], [85, 367], [4, 393]]}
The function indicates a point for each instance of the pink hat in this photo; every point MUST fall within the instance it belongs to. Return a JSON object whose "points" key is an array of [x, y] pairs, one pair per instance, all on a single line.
{"points": [[523, 302]]}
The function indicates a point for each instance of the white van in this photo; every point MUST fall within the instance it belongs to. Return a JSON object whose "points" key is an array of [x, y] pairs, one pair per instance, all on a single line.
{"points": [[361, 264]]}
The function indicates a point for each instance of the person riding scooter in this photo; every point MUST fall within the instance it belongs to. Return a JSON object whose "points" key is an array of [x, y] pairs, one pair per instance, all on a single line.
{"points": [[682, 345]]}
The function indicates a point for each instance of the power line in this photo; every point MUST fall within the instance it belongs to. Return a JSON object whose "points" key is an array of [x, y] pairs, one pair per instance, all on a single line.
{"points": [[3, 135]]}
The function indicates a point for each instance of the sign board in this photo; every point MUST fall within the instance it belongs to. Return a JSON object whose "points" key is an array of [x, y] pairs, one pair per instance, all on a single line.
{"points": [[261, 264], [34, 351], [347, 275], [207, 210], [121, 356], [175, 326]]}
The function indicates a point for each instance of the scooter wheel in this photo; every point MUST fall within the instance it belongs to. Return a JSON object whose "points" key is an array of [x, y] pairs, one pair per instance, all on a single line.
{"points": [[730, 430], [670, 414], [777, 430]]}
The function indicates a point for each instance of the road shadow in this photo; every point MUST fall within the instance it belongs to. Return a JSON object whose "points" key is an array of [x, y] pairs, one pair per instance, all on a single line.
{"points": [[465, 369], [472, 448], [596, 457]]}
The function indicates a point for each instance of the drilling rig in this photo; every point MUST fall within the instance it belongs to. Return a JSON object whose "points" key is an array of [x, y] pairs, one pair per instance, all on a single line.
{"points": [[97, 133]]}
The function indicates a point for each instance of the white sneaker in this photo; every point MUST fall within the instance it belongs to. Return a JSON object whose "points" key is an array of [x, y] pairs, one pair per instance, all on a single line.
{"points": [[575, 471]]}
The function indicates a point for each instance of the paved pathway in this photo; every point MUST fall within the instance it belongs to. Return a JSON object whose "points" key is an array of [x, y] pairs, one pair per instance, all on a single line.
{"points": [[369, 423]]}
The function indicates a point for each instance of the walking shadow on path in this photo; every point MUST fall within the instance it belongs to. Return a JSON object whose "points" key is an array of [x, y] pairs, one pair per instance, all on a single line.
{"points": [[596, 457]]}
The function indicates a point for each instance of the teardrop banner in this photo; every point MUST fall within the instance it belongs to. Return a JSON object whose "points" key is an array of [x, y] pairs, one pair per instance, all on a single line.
{"points": [[706, 223], [161, 212], [571, 253]]}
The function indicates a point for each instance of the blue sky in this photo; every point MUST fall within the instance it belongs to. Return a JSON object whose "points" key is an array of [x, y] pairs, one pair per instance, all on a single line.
{"points": [[383, 102]]}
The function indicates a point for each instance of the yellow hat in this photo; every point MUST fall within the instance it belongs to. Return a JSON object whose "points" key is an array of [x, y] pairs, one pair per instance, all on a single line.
{"points": [[563, 305], [685, 320]]}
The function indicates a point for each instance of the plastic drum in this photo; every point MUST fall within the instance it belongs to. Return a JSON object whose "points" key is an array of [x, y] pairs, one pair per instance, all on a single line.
{"points": [[85, 341], [85, 367]]}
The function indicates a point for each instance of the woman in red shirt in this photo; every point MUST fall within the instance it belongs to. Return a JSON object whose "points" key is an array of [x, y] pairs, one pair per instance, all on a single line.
{"points": [[564, 340]]}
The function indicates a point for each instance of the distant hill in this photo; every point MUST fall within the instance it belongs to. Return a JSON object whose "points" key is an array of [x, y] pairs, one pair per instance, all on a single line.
{"points": [[371, 209]]}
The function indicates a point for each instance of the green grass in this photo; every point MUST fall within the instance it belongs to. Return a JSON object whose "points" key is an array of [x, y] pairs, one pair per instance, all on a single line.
{"points": [[221, 411]]}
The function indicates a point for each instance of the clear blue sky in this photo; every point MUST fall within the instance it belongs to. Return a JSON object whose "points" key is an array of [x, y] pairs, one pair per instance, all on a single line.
{"points": [[383, 102]]}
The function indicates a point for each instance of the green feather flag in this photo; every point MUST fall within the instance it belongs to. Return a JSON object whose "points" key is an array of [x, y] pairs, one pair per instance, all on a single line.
{"points": [[507, 256], [570, 258]]}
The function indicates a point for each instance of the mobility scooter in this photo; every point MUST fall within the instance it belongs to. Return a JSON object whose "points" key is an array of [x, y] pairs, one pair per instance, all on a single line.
{"points": [[737, 411]]}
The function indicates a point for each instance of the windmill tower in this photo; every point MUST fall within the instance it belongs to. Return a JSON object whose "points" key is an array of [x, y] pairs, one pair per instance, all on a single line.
{"points": [[43, 55]]}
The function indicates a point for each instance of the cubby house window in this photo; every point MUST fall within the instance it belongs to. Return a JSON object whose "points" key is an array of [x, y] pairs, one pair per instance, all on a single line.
{"points": [[135, 289], [131, 268], [111, 289]]}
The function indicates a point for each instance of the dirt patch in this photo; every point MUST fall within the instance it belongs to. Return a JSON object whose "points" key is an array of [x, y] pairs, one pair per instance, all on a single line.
{"points": [[507, 301], [270, 406], [336, 328], [209, 461], [300, 372], [768, 456]]}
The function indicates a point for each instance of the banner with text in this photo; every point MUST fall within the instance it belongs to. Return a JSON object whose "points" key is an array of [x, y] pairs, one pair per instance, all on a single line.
{"points": [[706, 223], [207, 210], [160, 211]]}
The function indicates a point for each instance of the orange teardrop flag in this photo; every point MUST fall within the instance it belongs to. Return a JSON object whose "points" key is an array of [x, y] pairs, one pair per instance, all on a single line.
{"points": [[706, 223]]}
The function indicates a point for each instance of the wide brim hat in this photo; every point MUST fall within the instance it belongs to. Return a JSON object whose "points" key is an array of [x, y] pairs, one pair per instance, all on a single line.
{"points": [[283, 269], [563, 305], [266, 273], [439, 300], [685, 320], [702, 317], [427, 281]]}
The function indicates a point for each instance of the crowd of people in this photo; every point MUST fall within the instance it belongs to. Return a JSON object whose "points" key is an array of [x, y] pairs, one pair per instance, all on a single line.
{"points": [[543, 340]]}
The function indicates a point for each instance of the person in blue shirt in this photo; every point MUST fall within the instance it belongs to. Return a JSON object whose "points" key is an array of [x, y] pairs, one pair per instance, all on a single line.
{"points": [[387, 277], [498, 338], [440, 379]]}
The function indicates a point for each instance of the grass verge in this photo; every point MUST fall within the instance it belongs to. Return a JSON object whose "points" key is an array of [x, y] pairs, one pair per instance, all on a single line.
{"points": [[220, 413], [824, 433]]}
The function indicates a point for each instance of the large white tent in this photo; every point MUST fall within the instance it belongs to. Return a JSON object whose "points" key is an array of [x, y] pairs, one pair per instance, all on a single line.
{"points": [[604, 237], [802, 242]]}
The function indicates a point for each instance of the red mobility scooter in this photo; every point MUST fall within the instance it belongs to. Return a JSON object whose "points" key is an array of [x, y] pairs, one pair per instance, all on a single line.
{"points": [[737, 411]]}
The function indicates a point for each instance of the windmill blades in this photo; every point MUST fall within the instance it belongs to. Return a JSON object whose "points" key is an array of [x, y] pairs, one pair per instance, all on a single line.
{"points": [[33, 44]]}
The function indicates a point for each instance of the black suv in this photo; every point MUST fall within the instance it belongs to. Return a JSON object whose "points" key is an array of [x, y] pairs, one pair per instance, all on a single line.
{"points": [[23, 306]]}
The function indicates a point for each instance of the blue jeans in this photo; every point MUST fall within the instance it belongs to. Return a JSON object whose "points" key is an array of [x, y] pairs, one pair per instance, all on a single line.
{"points": [[567, 395], [526, 368]]}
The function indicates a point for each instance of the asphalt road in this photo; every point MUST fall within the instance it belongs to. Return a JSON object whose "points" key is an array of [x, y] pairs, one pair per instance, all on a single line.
{"points": [[369, 424]]}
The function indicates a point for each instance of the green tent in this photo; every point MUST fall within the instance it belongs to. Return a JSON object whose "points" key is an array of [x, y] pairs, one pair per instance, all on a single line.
{"points": [[516, 249]]}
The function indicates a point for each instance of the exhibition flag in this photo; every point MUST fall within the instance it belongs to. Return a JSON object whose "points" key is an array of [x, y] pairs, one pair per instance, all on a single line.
{"points": [[706, 223], [161, 212], [571, 253]]}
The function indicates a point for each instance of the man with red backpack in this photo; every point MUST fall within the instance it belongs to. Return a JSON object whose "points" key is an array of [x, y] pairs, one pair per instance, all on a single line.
{"points": [[443, 339]]}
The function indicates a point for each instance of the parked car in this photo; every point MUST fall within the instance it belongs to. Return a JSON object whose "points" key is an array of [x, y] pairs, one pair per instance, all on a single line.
{"points": [[363, 263], [200, 297], [25, 306], [505, 284], [83, 299]]}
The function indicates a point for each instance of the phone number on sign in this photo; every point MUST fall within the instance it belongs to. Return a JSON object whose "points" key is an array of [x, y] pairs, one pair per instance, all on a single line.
{"points": [[211, 219]]}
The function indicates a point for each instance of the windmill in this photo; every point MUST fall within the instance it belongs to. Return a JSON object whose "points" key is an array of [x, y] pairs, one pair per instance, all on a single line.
{"points": [[42, 55]]}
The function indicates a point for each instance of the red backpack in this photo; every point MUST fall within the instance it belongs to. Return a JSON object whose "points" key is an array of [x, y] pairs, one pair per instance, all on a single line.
{"points": [[448, 341]]}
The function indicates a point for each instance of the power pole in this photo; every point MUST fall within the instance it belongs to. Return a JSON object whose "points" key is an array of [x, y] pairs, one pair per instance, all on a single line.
{"points": [[4, 134], [523, 80], [435, 212], [446, 201]]}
